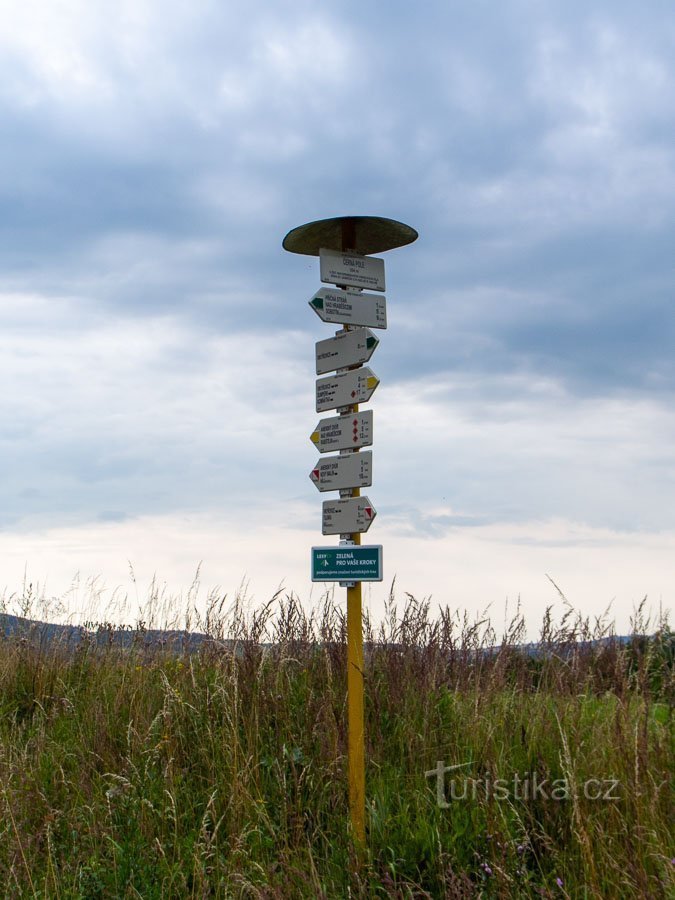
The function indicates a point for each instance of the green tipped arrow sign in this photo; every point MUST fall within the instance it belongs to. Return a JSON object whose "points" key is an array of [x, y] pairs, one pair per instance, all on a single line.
{"points": [[353, 348], [350, 308]]}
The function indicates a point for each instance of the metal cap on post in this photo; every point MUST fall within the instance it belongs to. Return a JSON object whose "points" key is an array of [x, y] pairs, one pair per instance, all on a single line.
{"points": [[359, 235], [362, 234]]}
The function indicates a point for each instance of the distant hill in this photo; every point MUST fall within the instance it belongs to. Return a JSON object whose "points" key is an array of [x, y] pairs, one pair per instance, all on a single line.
{"points": [[105, 635]]}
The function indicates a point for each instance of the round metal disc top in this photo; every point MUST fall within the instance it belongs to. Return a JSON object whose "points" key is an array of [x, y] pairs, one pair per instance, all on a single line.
{"points": [[362, 234]]}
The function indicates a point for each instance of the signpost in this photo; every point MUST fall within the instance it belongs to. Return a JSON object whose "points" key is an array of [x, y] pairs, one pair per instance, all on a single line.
{"points": [[337, 473], [350, 308], [354, 386], [350, 348], [344, 432], [344, 245]]}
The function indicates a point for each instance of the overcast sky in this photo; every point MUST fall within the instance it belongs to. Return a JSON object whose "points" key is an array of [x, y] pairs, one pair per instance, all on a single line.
{"points": [[157, 350]]}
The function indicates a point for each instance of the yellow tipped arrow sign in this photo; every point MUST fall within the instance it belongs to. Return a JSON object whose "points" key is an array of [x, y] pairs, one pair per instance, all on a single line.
{"points": [[356, 386], [344, 432]]}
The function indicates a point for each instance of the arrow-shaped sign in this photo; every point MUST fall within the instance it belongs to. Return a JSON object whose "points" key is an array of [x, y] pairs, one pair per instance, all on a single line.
{"points": [[350, 308], [343, 432], [351, 516], [352, 348], [337, 473], [355, 386]]}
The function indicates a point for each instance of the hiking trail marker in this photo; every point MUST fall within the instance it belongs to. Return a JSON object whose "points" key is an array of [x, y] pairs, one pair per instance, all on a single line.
{"points": [[347, 432], [350, 308], [337, 473], [353, 515], [344, 246], [345, 389], [349, 348]]}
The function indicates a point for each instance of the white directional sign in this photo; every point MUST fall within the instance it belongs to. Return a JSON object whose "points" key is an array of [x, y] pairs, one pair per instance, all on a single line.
{"points": [[337, 473], [352, 269], [343, 432], [350, 516], [350, 308], [349, 349], [355, 386]]}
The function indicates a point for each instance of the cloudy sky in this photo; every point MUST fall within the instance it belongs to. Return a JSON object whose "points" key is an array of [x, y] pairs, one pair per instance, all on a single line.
{"points": [[157, 350]]}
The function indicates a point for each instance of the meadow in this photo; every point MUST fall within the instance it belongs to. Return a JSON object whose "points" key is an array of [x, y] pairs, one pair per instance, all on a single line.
{"points": [[147, 770]]}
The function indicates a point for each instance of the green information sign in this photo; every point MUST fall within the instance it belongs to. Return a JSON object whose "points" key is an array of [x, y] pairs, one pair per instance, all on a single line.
{"points": [[347, 563]]}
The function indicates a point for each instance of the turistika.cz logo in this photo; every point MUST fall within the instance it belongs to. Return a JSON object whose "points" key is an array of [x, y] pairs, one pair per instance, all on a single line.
{"points": [[525, 788]]}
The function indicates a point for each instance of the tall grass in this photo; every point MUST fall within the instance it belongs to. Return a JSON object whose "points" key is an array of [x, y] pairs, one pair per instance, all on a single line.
{"points": [[153, 772]]}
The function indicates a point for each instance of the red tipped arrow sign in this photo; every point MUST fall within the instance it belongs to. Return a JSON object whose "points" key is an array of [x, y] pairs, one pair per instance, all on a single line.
{"points": [[350, 516], [344, 432], [337, 473]]}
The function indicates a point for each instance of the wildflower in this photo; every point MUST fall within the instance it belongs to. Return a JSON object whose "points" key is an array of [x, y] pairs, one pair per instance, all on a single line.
{"points": [[486, 868], [559, 882], [520, 849]]}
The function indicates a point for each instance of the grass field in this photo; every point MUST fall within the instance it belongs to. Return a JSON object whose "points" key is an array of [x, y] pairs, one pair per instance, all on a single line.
{"points": [[147, 772]]}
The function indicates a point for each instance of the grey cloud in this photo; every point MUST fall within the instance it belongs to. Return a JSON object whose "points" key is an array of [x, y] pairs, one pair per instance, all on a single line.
{"points": [[545, 242]]}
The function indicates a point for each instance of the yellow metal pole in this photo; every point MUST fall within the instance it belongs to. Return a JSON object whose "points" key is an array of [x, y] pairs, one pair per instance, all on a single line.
{"points": [[356, 749], [355, 714]]}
